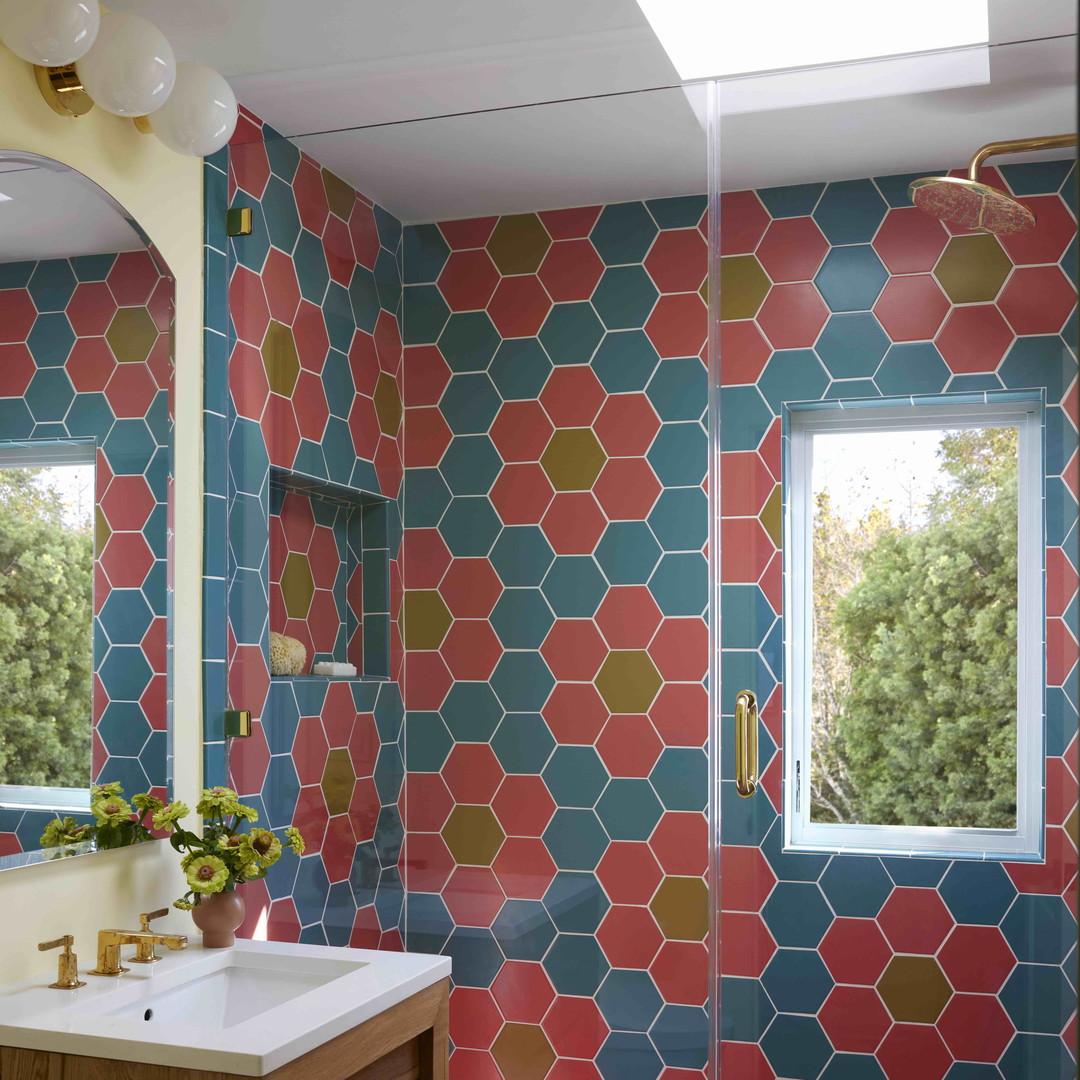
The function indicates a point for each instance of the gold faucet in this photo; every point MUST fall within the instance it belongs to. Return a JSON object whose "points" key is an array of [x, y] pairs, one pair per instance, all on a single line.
{"points": [[144, 950], [67, 976], [109, 942]]}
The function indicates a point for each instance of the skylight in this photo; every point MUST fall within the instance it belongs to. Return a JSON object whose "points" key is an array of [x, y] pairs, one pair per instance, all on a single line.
{"points": [[710, 39]]}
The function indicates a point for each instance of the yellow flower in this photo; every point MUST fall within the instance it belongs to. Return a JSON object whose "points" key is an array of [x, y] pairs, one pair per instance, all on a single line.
{"points": [[238, 848], [296, 841], [100, 791], [217, 800], [167, 817], [248, 813], [207, 874], [183, 905], [266, 845], [111, 810], [147, 802], [60, 832]]}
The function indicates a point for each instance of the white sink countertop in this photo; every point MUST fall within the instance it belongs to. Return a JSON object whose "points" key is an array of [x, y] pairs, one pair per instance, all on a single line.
{"points": [[246, 1010]]}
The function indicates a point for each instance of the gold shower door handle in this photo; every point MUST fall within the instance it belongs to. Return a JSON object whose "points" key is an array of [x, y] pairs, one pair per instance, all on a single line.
{"points": [[746, 760]]}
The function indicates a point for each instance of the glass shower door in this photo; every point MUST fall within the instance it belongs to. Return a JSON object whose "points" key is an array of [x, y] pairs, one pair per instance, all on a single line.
{"points": [[908, 931]]}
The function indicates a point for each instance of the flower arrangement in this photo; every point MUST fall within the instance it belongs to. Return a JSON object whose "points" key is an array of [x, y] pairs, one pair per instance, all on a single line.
{"points": [[117, 823], [223, 856]]}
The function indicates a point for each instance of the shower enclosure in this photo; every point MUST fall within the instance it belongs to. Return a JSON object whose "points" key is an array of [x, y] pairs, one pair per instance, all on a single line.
{"points": [[516, 412]]}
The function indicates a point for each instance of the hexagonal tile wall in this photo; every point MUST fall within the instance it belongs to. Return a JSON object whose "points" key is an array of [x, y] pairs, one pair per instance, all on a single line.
{"points": [[312, 386], [85, 352], [555, 384]]}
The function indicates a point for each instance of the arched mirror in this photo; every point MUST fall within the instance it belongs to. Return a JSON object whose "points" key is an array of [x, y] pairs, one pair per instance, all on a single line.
{"points": [[86, 467]]}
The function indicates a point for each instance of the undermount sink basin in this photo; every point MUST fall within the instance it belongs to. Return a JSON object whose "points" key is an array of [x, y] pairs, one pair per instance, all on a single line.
{"points": [[250, 984], [247, 1010]]}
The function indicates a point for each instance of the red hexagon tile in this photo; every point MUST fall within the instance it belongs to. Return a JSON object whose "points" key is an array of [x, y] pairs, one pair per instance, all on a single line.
{"points": [[678, 260], [523, 805], [523, 992], [519, 306], [854, 950], [792, 316], [745, 221], [976, 959], [854, 1019], [1046, 243], [575, 713], [974, 338], [572, 396], [570, 270], [748, 945], [524, 867], [575, 1027], [574, 650], [629, 745], [911, 308], [521, 494], [909, 241], [629, 937], [471, 649], [468, 280], [678, 324], [915, 920], [627, 489], [792, 249], [521, 430], [573, 523], [1037, 299]]}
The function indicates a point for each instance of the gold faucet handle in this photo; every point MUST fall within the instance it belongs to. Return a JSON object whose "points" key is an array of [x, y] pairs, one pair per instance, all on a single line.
{"points": [[67, 973], [145, 920], [144, 950]]}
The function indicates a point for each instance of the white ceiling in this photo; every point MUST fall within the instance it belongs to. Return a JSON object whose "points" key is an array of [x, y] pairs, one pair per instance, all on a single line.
{"points": [[57, 215], [325, 65]]}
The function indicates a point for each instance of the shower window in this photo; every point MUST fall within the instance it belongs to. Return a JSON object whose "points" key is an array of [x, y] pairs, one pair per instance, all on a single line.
{"points": [[914, 578]]}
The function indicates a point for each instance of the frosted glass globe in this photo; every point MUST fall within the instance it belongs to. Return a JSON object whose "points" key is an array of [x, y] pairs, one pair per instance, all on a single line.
{"points": [[130, 70], [49, 32], [200, 115]]}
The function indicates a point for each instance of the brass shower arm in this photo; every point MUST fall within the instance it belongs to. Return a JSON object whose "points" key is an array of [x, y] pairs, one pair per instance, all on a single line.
{"points": [[1015, 146]]}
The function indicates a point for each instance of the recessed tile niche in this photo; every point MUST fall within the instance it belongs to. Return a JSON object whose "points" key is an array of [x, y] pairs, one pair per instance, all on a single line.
{"points": [[330, 572]]}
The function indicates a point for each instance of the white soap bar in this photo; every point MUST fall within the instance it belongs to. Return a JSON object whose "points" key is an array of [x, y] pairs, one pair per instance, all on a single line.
{"points": [[334, 670]]}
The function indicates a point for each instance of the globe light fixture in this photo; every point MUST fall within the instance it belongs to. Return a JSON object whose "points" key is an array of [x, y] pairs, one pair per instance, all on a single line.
{"points": [[200, 114], [51, 33], [131, 69]]}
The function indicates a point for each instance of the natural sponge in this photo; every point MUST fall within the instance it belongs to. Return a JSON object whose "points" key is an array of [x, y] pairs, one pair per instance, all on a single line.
{"points": [[287, 655]]}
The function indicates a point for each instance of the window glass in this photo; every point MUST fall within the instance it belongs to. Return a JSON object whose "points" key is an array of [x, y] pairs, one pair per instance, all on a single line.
{"points": [[46, 620], [914, 613]]}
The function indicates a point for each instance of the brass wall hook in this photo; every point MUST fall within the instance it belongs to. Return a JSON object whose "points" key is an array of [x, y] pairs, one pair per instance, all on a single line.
{"points": [[67, 976]]}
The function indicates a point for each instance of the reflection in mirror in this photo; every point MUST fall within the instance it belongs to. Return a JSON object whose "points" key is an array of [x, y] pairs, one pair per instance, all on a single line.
{"points": [[86, 375]]}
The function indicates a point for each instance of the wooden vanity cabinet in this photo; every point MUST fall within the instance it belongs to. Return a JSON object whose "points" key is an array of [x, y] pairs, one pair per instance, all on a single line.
{"points": [[407, 1042]]}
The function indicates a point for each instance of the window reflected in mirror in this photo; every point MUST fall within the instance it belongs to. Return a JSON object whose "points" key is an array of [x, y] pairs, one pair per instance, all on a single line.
{"points": [[46, 619]]}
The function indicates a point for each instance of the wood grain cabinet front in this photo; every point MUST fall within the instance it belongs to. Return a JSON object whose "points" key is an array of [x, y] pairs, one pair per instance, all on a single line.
{"points": [[408, 1041]]}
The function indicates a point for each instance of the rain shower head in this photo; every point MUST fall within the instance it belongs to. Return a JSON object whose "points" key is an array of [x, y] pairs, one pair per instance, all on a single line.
{"points": [[974, 205]]}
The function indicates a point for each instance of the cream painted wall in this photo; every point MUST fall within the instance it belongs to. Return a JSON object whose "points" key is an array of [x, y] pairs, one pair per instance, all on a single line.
{"points": [[163, 191]]}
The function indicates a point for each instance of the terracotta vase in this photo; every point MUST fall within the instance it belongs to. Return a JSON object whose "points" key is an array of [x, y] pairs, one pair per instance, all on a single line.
{"points": [[217, 917]]}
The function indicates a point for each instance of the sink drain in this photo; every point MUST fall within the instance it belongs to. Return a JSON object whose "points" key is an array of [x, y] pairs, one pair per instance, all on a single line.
{"points": [[148, 1015]]}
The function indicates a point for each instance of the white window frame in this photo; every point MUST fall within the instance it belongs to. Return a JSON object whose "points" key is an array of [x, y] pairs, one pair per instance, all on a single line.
{"points": [[30, 454], [1026, 840]]}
